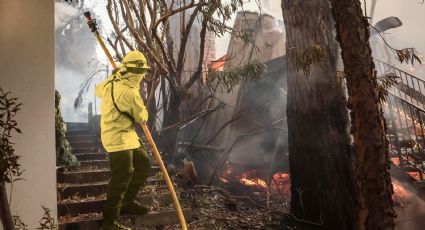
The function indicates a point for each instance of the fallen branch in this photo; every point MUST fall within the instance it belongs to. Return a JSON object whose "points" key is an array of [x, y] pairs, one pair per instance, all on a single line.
{"points": [[249, 199], [192, 118], [306, 221], [224, 126], [204, 147]]}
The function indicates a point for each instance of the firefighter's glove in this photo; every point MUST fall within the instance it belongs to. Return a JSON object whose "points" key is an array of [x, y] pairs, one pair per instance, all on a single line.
{"points": [[145, 115]]}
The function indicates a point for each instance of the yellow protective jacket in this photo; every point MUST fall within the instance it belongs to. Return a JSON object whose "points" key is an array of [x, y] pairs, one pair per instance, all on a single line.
{"points": [[118, 130]]}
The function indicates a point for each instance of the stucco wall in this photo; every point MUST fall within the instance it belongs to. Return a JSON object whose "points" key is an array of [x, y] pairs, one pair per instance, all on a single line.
{"points": [[27, 70], [269, 44]]}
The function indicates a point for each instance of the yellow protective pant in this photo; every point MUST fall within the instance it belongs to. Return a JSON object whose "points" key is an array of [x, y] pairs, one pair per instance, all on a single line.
{"points": [[129, 171]]}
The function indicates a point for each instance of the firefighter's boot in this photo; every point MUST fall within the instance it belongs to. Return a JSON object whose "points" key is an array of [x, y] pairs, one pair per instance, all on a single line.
{"points": [[112, 209], [142, 168], [121, 171], [114, 225]]}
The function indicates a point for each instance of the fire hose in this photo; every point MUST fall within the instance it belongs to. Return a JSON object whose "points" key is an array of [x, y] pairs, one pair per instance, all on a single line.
{"points": [[93, 26]]}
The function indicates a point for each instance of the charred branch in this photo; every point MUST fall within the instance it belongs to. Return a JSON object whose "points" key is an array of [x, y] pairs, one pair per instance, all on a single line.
{"points": [[198, 72], [184, 39], [224, 126], [172, 12], [196, 147], [116, 26], [126, 14]]}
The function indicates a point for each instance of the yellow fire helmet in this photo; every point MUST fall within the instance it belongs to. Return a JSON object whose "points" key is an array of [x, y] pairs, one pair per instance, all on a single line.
{"points": [[135, 62]]}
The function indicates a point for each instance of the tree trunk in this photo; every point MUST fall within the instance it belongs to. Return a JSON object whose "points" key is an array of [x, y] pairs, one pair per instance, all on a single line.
{"points": [[320, 154], [171, 117], [5, 214], [370, 145]]}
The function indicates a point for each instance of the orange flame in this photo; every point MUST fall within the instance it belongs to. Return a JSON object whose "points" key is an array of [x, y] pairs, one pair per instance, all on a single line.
{"points": [[282, 183], [400, 193], [395, 160], [253, 182], [415, 175], [250, 179], [227, 173]]}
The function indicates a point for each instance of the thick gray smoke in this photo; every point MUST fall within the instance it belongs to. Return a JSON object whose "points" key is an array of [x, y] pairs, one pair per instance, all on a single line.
{"points": [[76, 60], [63, 14]]}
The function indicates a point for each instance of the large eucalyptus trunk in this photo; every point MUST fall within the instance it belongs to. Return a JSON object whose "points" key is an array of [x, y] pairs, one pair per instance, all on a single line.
{"points": [[370, 145], [320, 154]]}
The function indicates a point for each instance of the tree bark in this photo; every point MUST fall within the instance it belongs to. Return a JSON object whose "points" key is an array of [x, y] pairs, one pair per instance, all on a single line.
{"points": [[368, 125], [171, 117], [320, 153], [5, 214]]}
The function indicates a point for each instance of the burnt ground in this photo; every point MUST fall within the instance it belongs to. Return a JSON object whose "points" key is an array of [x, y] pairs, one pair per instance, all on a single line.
{"points": [[217, 208]]}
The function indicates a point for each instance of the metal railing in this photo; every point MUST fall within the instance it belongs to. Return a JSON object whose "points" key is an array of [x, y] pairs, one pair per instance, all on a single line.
{"points": [[404, 112]]}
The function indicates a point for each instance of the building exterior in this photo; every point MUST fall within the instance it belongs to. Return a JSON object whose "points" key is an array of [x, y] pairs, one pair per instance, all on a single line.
{"points": [[269, 44], [27, 70]]}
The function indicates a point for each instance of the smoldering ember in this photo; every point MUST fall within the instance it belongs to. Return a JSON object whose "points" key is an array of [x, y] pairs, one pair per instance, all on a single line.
{"points": [[207, 114]]}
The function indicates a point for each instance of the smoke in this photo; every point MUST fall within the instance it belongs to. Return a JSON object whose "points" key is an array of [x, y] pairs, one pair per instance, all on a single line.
{"points": [[63, 14], [412, 15], [262, 103], [76, 61], [67, 83], [410, 34]]}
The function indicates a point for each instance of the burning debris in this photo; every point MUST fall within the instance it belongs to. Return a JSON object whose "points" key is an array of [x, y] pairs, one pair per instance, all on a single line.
{"points": [[282, 184], [415, 175], [247, 180], [255, 180], [401, 195]]}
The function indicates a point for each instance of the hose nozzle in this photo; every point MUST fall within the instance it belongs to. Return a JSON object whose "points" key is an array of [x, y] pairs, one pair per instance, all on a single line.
{"points": [[90, 21]]}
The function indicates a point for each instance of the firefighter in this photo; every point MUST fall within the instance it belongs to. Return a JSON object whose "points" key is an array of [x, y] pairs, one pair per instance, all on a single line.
{"points": [[122, 109]]}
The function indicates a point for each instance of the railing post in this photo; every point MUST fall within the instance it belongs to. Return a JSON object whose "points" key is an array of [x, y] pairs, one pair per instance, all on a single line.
{"points": [[90, 112], [395, 130]]}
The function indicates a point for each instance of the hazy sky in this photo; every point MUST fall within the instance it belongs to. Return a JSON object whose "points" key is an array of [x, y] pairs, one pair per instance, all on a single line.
{"points": [[410, 12], [271, 7]]}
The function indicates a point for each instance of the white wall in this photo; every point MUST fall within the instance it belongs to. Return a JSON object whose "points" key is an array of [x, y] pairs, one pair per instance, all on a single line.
{"points": [[27, 70]]}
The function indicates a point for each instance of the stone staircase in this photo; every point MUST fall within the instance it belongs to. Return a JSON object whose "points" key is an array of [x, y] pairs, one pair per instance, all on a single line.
{"points": [[82, 191]]}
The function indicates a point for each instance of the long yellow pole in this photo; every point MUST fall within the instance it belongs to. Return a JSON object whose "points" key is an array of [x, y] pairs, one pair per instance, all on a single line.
{"points": [[92, 24]]}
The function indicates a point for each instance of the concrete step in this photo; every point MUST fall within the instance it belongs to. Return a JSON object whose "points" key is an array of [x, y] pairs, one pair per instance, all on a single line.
{"points": [[152, 219], [100, 164], [85, 150], [91, 156], [76, 138], [103, 164], [83, 144], [96, 204], [75, 132], [90, 175], [84, 190], [95, 189], [76, 125]]}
